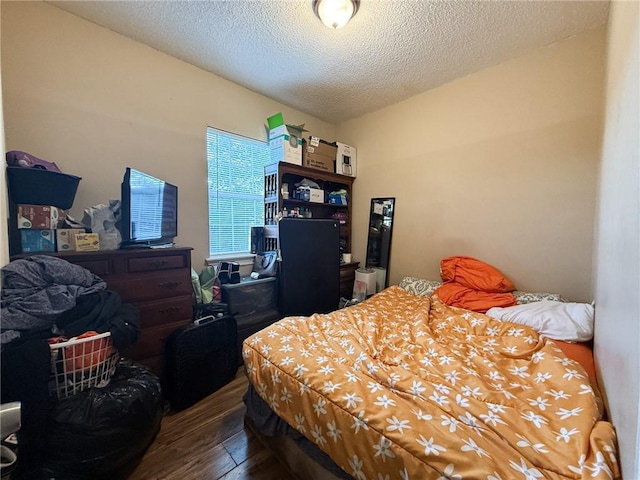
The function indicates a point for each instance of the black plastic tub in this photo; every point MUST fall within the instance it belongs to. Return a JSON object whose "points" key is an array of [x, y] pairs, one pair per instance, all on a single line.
{"points": [[35, 186]]}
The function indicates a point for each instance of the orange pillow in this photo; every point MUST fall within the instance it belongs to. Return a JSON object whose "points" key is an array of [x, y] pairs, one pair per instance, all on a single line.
{"points": [[463, 297], [474, 274]]}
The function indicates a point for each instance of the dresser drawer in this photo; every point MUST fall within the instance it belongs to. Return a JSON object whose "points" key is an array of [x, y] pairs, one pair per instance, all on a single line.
{"points": [[100, 267], [346, 289], [151, 264], [152, 341], [348, 270], [155, 313], [152, 285], [347, 278]]}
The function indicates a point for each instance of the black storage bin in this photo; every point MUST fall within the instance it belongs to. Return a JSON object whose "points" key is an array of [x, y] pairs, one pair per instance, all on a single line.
{"points": [[41, 187], [250, 296]]}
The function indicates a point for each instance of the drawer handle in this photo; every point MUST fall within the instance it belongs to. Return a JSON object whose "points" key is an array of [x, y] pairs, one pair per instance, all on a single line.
{"points": [[170, 285], [158, 263], [168, 310]]}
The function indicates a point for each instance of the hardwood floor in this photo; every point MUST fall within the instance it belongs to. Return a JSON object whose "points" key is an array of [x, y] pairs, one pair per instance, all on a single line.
{"points": [[209, 441]]}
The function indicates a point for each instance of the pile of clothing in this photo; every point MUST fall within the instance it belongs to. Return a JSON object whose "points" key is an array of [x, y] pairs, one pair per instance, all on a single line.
{"points": [[43, 297], [472, 284]]}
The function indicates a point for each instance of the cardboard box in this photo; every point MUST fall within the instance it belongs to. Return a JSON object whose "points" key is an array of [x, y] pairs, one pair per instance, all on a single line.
{"points": [[37, 240], [66, 239], [87, 242], [338, 199], [285, 140], [282, 150], [346, 160], [316, 195], [308, 194], [319, 154], [43, 217]]}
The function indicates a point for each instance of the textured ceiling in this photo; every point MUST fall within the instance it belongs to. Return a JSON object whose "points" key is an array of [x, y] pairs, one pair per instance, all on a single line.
{"points": [[390, 51]]}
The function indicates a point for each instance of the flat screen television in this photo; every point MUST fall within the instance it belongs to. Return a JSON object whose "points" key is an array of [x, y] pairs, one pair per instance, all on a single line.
{"points": [[149, 210]]}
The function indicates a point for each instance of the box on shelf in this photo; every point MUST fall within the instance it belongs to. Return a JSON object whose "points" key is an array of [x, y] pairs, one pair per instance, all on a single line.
{"points": [[66, 239], [346, 160], [302, 193], [37, 240], [281, 150], [319, 154], [316, 195], [285, 140], [87, 242], [43, 217], [308, 194], [338, 198]]}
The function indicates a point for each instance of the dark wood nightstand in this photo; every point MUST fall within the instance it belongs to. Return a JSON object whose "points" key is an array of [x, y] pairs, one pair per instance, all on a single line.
{"points": [[347, 278]]}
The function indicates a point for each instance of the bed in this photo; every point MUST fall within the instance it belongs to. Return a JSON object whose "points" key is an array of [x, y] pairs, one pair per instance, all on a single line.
{"points": [[404, 386]]}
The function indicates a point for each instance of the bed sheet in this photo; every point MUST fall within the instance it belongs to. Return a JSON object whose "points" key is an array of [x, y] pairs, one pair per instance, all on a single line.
{"points": [[404, 386]]}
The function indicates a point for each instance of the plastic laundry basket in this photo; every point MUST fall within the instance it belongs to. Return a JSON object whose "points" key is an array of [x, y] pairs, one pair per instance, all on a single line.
{"points": [[82, 363]]}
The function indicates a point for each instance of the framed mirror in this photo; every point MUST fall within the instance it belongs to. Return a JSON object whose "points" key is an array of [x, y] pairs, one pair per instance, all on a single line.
{"points": [[379, 238]]}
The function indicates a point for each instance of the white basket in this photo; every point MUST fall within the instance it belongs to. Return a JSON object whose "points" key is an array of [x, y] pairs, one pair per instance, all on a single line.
{"points": [[79, 364]]}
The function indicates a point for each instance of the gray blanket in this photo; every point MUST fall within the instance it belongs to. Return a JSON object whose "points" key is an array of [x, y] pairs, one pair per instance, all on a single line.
{"points": [[37, 289]]}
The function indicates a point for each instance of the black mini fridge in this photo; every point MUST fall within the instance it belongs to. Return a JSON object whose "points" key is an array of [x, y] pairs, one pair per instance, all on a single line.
{"points": [[310, 267]]}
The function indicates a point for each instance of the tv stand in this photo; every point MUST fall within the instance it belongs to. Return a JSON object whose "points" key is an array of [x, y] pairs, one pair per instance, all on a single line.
{"points": [[162, 245], [131, 246]]}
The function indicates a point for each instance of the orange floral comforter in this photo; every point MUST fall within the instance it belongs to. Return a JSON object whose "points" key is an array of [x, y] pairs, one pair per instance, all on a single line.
{"points": [[405, 387]]}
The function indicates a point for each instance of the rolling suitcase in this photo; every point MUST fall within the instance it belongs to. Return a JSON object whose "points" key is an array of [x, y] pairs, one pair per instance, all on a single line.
{"points": [[201, 358]]}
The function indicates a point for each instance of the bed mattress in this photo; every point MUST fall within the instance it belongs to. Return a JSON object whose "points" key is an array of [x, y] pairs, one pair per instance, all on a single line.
{"points": [[404, 386]]}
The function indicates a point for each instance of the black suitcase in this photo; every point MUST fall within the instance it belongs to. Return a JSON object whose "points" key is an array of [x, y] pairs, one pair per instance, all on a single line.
{"points": [[201, 358]]}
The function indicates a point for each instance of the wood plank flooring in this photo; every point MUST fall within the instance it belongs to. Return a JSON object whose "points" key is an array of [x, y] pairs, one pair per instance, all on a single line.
{"points": [[209, 441]]}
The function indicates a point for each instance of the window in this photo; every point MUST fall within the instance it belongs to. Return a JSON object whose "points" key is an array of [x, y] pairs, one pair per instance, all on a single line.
{"points": [[236, 190]]}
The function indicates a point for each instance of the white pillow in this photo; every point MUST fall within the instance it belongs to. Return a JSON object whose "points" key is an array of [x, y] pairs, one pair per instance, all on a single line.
{"points": [[569, 322]]}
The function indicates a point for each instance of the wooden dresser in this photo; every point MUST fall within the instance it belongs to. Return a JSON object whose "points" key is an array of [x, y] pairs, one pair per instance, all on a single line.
{"points": [[156, 281]]}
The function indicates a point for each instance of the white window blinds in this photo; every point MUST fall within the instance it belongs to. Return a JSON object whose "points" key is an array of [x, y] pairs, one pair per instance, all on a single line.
{"points": [[236, 190]]}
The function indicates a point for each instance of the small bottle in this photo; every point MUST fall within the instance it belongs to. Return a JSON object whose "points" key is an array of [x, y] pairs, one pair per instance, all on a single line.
{"points": [[284, 212]]}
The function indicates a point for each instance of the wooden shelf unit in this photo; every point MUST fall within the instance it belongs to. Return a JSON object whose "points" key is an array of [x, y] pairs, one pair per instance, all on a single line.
{"points": [[279, 174]]}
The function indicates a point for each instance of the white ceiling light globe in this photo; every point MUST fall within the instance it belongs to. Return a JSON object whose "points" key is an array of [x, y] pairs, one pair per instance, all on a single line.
{"points": [[335, 13]]}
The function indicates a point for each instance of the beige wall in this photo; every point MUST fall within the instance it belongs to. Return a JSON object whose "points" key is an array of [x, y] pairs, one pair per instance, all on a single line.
{"points": [[617, 249], [500, 165], [95, 102]]}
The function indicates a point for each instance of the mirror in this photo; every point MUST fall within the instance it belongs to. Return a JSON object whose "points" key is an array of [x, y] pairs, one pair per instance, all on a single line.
{"points": [[379, 238]]}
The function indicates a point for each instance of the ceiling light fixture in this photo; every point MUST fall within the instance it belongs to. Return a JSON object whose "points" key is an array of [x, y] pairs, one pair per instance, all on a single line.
{"points": [[335, 13]]}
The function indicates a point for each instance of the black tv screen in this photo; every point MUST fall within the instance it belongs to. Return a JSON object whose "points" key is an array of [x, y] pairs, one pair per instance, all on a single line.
{"points": [[149, 209]]}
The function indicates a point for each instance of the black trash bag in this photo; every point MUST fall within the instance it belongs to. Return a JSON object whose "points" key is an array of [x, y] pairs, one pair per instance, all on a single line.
{"points": [[103, 433]]}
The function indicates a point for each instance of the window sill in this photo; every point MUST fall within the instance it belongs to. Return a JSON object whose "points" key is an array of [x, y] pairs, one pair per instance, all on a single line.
{"points": [[243, 259]]}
